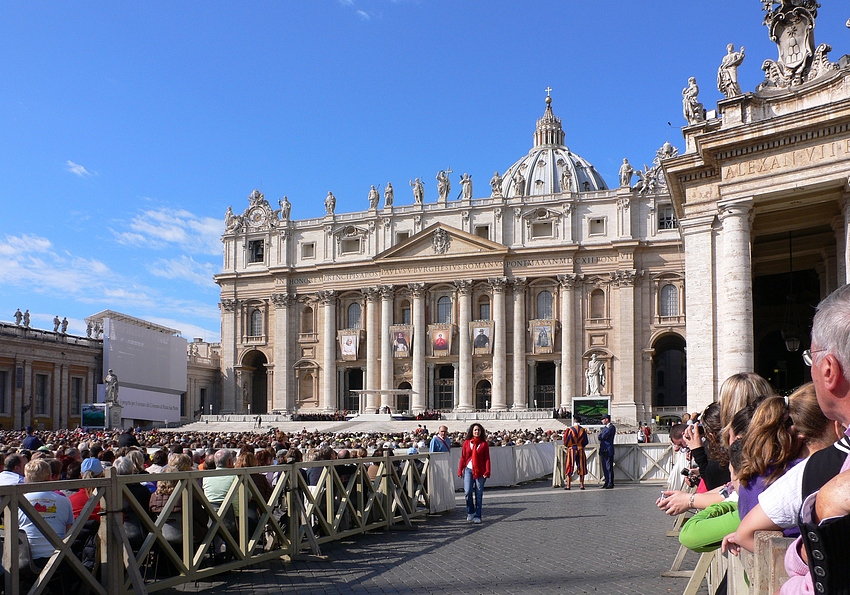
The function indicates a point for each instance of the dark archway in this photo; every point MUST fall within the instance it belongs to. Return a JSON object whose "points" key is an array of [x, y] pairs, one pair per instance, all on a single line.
{"points": [[544, 385], [254, 366], [669, 380], [402, 402], [483, 395], [353, 381], [444, 388]]}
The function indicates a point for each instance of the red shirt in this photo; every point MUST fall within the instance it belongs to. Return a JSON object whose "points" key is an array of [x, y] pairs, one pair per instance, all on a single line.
{"points": [[480, 456], [78, 500]]}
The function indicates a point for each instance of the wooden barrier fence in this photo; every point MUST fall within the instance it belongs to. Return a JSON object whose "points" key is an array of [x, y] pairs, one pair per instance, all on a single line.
{"points": [[632, 463], [140, 552]]}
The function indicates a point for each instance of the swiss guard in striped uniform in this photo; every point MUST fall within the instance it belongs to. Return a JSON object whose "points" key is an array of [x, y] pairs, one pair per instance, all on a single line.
{"points": [[575, 439]]}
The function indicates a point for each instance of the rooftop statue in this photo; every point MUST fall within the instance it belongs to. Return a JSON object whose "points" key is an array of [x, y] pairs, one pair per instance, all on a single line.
{"points": [[519, 184], [496, 184], [444, 185], [727, 74], [18, 316], [466, 185], [626, 172], [388, 195], [64, 328], [56, 323], [691, 107], [285, 208], [330, 203], [231, 221], [27, 319], [374, 197], [566, 178], [418, 191]]}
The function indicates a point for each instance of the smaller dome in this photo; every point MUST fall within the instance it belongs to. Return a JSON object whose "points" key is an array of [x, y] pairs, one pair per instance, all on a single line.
{"points": [[542, 171]]}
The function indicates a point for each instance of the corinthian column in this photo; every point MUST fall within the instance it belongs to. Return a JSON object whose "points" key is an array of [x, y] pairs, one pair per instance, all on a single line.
{"points": [[228, 355], [372, 335], [500, 400], [329, 383], [420, 377], [520, 383], [282, 393], [735, 324], [386, 345], [568, 332], [464, 390]]}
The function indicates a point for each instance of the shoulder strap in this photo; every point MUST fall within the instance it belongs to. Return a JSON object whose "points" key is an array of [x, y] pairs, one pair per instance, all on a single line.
{"points": [[824, 465]]}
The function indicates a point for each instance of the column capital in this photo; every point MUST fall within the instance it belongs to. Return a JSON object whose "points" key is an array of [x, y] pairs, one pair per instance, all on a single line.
{"points": [[693, 225], [417, 290], [626, 278], [326, 296], [735, 208], [283, 299], [228, 304], [570, 280], [464, 286], [371, 293], [519, 283], [387, 292], [497, 284]]}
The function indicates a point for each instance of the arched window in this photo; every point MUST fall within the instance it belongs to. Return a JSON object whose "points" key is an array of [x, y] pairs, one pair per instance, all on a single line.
{"points": [[669, 300], [444, 309], [484, 308], [353, 316], [256, 326], [597, 304], [544, 305], [405, 312], [307, 320]]}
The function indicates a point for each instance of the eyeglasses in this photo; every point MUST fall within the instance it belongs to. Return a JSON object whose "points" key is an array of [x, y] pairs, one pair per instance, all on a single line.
{"points": [[807, 356]]}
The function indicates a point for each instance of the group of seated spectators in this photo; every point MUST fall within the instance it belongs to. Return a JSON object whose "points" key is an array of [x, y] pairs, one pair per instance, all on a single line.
{"points": [[764, 462]]}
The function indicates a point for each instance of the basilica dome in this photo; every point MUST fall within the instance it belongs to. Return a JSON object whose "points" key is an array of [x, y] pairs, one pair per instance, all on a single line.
{"points": [[550, 167]]}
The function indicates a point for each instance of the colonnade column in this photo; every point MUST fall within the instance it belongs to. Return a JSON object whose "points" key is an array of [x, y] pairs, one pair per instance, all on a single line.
{"points": [[372, 336], [464, 374], [500, 401], [386, 345], [624, 399], [568, 328], [282, 395], [329, 380], [531, 381], [420, 378], [229, 387], [735, 324], [520, 384]]}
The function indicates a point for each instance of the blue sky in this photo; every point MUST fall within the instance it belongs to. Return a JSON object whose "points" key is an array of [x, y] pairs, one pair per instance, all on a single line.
{"points": [[127, 129]]}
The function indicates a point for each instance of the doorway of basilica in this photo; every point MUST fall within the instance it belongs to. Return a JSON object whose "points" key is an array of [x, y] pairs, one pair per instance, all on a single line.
{"points": [[353, 378], [669, 378], [483, 397], [544, 385], [255, 376]]}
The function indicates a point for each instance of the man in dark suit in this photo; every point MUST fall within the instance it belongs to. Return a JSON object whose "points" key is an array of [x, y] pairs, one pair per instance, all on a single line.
{"points": [[606, 450]]}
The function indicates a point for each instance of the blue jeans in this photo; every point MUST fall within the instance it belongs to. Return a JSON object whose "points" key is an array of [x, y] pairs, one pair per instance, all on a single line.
{"points": [[474, 490]]}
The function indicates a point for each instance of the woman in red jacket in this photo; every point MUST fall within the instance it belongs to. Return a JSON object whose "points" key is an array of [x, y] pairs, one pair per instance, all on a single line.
{"points": [[474, 467]]}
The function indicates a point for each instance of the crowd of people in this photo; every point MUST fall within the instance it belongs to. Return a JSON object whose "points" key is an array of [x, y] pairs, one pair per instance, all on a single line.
{"points": [[760, 461]]}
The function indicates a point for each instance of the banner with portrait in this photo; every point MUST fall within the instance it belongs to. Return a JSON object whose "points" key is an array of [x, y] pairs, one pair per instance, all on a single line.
{"points": [[349, 343], [542, 336], [481, 335], [401, 336], [440, 338]]}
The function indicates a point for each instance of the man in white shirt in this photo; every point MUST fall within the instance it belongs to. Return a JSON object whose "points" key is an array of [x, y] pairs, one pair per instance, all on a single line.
{"points": [[13, 472]]}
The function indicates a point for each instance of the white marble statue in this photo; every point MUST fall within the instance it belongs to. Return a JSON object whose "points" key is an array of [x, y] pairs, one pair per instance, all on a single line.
{"points": [[566, 179], [727, 74], [595, 375], [330, 203], [519, 184], [374, 197], [444, 185], [64, 327], [626, 172], [231, 221], [496, 184], [691, 107], [18, 316], [418, 191], [285, 208], [388, 195], [27, 319], [89, 329], [56, 322], [466, 186], [111, 382]]}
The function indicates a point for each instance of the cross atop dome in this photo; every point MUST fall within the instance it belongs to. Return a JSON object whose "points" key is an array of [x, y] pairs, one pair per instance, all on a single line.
{"points": [[549, 131]]}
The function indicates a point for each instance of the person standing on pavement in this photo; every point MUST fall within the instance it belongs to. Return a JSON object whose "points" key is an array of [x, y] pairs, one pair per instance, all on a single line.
{"points": [[606, 450], [474, 467], [575, 461], [440, 442]]}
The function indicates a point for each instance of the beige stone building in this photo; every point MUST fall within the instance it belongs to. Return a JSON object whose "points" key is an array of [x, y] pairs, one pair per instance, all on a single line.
{"points": [[497, 301]]}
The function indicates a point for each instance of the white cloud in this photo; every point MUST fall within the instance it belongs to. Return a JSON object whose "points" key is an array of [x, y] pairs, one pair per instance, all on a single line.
{"points": [[364, 16], [77, 169], [347, 2], [159, 228], [186, 268]]}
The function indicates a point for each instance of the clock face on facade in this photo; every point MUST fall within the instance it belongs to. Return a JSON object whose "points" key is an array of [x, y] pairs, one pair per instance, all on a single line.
{"points": [[256, 217]]}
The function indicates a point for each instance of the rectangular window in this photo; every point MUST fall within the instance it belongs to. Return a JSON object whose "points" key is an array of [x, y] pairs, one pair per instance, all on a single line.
{"points": [[484, 310], [76, 395], [202, 397], [308, 251], [542, 229], [401, 236], [666, 217], [405, 315], [5, 379], [483, 231], [597, 226], [42, 393], [350, 246], [256, 251]]}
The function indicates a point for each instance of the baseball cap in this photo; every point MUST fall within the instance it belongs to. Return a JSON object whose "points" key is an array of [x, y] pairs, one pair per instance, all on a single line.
{"points": [[93, 465]]}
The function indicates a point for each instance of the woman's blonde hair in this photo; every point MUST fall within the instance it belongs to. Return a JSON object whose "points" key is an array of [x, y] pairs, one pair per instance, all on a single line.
{"points": [[736, 392]]}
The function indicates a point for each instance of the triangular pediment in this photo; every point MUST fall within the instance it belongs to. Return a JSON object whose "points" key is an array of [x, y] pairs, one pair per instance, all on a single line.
{"points": [[442, 241]]}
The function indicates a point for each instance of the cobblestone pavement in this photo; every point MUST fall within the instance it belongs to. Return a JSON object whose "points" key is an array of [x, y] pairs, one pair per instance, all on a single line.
{"points": [[534, 539]]}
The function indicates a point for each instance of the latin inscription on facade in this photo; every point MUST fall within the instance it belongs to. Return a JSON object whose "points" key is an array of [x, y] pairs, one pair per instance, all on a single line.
{"points": [[795, 159]]}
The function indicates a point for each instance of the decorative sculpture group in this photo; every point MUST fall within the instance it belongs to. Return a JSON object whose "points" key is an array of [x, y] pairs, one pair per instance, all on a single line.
{"points": [[94, 330], [57, 323], [22, 319]]}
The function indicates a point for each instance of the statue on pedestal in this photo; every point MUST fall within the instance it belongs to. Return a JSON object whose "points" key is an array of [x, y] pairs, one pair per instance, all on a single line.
{"points": [[418, 191], [18, 317], [595, 375], [444, 185], [285, 208], [64, 328], [388, 195], [374, 197], [466, 185], [496, 184], [330, 203], [727, 74], [626, 172], [111, 382], [27, 319], [691, 107], [56, 323]]}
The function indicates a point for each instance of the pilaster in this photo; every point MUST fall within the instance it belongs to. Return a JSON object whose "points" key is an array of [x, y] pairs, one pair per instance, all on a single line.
{"points": [[464, 380], [520, 385], [229, 388], [329, 378], [500, 402], [568, 284], [373, 336], [283, 387], [387, 295], [419, 401]]}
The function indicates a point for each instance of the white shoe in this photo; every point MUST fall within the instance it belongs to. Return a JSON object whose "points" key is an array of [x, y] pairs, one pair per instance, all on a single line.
{"points": [[476, 520], [469, 518]]}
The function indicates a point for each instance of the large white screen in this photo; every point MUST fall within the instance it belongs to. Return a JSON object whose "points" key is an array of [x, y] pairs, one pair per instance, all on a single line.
{"points": [[149, 405], [144, 358]]}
